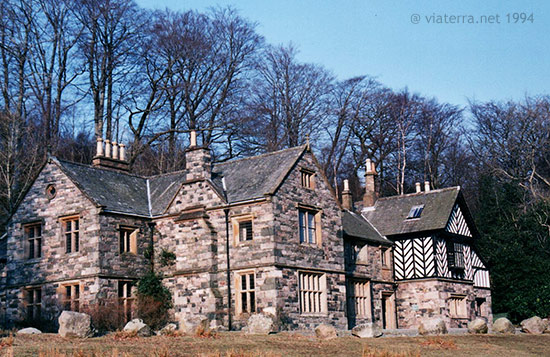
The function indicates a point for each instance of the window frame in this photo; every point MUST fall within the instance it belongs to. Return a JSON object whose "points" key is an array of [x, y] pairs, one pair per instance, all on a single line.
{"points": [[316, 294], [128, 240], [126, 300], [35, 243], [415, 212], [385, 257], [457, 306], [455, 257], [307, 178], [71, 300], [236, 222], [33, 307], [305, 234], [250, 292], [362, 303], [75, 243]]}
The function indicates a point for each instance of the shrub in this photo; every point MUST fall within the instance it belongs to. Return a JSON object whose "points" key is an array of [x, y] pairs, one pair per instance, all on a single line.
{"points": [[154, 300], [106, 315]]}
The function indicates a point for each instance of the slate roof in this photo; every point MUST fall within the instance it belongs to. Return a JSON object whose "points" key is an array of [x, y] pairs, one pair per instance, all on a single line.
{"points": [[116, 191], [389, 215], [256, 176], [127, 193], [356, 226]]}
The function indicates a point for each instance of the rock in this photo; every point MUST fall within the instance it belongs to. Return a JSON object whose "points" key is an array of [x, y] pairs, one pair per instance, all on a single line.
{"points": [[477, 326], [29, 331], [75, 324], [366, 330], [137, 325], [546, 323], [503, 325], [533, 325], [325, 332], [260, 324], [434, 326], [167, 330], [189, 325]]}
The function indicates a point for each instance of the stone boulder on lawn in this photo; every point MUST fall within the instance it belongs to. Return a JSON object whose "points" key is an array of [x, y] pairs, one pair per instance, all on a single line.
{"points": [[74, 324], [260, 324], [366, 330], [325, 332], [29, 331], [503, 325], [167, 330], [138, 326], [533, 325], [477, 326], [546, 323], [433, 326]]}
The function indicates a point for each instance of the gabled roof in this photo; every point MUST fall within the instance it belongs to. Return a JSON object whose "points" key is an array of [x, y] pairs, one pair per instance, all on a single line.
{"points": [[389, 215], [113, 190], [256, 176], [355, 225], [163, 188]]}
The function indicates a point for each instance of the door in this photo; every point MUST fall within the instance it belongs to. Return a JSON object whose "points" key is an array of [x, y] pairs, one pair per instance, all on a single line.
{"points": [[388, 311]]}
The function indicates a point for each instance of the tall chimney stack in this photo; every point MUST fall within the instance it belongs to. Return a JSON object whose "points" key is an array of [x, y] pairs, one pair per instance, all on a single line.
{"points": [[347, 201], [418, 187], [197, 160], [427, 186], [370, 184], [112, 156]]}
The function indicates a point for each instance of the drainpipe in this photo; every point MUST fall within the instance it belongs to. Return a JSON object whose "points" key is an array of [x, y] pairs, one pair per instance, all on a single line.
{"points": [[151, 237], [226, 211]]}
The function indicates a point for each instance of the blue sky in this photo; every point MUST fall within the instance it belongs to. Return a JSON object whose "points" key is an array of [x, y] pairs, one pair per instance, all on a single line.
{"points": [[453, 62]]}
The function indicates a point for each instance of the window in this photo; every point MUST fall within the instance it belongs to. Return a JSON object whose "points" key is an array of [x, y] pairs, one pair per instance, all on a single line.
{"points": [[246, 293], [457, 306], [360, 298], [34, 303], [245, 230], [51, 192], [33, 232], [312, 287], [385, 257], [307, 178], [128, 240], [415, 212], [310, 223], [71, 227], [71, 297], [242, 229], [125, 298], [455, 255]]}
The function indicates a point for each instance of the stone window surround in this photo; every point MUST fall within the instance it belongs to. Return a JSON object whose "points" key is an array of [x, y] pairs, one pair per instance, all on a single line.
{"points": [[361, 298], [457, 306], [235, 221], [70, 295], [125, 297], [36, 240], [307, 178], [317, 293], [249, 291], [317, 213], [385, 257], [63, 220], [128, 244], [33, 302]]}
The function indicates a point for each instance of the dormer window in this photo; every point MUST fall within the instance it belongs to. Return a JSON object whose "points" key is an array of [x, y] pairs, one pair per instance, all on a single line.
{"points": [[415, 212], [307, 178]]}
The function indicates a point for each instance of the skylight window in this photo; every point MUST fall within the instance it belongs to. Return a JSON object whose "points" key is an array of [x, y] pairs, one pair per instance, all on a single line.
{"points": [[415, 212]]}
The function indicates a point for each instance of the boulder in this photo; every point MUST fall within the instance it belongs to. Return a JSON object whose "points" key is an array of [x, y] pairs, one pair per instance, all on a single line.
{"points": [[29, 331], [503, 325], [533, 325], [75, 324], [366, 330], [167, 330], [325, 332], [478, 325], [138, 326], [260, 324], [433, 326], [189, 325], [546, 323]]}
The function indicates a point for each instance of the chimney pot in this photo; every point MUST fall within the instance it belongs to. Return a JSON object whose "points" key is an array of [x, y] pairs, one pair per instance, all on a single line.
{"points": [[427, 186], [108, 148], [418, 187], [193, 139], [347, 202], [115, 150], [99, 147], [346, 185], [122, 152]]}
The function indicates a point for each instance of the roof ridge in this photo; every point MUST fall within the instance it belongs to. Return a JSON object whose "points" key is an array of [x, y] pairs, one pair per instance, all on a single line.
{"points": [[420, 193], [98, 168], [261, 155], [166, 174]]}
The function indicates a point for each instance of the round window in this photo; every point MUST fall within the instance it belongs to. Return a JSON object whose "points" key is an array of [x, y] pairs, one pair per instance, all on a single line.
{"points": [[50, 191]]}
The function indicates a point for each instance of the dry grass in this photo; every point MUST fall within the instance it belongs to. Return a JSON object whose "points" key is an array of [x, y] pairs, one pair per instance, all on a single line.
{"points": [[231, 344]]}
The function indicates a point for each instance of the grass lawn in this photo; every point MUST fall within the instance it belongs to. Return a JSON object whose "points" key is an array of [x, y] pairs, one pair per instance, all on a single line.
{"points": [[282, 344]]}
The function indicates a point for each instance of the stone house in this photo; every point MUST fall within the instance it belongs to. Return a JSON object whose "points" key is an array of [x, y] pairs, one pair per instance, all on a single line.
{"points": [[267, 231]]}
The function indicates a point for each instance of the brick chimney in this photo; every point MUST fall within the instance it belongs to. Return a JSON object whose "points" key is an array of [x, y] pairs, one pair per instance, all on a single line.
{"points": [[370, 186], [110, 156], [198, 162], [347, 202]]}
